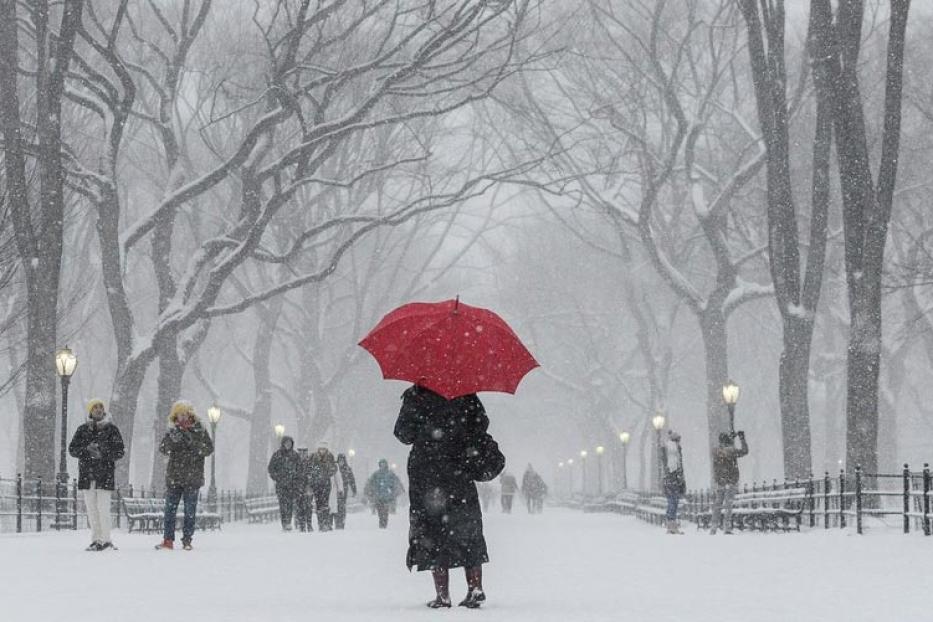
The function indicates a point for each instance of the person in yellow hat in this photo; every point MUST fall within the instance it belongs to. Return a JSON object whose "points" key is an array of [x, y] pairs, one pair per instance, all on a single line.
{"points": [[186, 444], [97, 444]]}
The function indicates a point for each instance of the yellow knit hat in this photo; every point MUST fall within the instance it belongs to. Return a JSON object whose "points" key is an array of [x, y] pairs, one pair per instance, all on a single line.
{"points": [[94, 402]]}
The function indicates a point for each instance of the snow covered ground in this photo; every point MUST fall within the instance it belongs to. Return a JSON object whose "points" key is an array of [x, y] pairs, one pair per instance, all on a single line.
{"points": [[562, 565]]}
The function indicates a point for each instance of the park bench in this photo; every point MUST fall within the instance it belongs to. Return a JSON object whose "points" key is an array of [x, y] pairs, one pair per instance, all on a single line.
{"points": [[765, 510], [651, 509], [148, 514], [621, 503], [262, 509]]}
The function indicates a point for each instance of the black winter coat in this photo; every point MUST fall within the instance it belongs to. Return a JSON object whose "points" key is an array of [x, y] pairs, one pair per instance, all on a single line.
{"points": [[450, 450], [99, 470], [346, 476], [287, 469], [186, 450]]}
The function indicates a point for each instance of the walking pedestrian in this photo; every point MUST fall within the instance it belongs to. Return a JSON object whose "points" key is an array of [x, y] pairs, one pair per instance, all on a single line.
{"points": [[450, 451], [485, 495], [344, 483], [285, 469], [508, 486], [381, 490], [303, 502], [726, 476], [186, 444], [321, 468], [674, 484], [97, 444]]}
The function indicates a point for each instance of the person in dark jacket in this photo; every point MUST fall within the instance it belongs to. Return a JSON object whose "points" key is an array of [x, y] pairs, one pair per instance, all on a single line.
{"points": [[508, 486], [380, 491], [186, 444], [726, 476], [285, 469], [674, 485], [533, 490], [97, 444], [303, 501], [450, 451], [345, 484], [321, 468]]}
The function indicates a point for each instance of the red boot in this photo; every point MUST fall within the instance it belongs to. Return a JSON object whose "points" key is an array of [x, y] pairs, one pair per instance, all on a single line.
{"points": [[166, 545]]}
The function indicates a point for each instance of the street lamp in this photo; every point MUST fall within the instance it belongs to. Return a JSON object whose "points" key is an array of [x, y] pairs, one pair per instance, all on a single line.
{"points": [[658, 423], [624, 437], [351, 453], [65, 364], [570, 474], [279, 430], [213, 416], [599, 465], [730, 395], [583, 470]]}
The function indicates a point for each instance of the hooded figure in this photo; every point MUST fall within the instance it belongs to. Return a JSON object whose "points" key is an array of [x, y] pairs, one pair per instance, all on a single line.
{"points": [[450, 451], [186, 444], [286, 469], [674, 485], [381, 489], [97, 444], [321, 468]]}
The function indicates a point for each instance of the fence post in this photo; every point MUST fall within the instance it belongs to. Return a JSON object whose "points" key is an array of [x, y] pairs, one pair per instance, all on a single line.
{"points": [[842, 498], [119, 504], [19, 503], [906, 498], [59, 498], [39, 504], [926, 499], [811, 500], [74, 506], [826, 500], [858, 498]]}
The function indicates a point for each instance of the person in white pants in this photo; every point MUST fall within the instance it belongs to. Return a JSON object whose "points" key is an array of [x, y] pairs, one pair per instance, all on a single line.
{"points": [[97, 444]]}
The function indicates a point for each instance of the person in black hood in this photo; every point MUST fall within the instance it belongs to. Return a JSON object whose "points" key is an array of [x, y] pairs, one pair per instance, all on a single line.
{"points": [[286, 470], [450, 451], [97, 444]]}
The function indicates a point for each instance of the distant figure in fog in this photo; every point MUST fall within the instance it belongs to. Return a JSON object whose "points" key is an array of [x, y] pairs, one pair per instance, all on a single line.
{"points": [[726, 476], [486, 494], [303, 501], [674, 484], [508, 486], [450, 451], [344, 484], [533, 490], [321, 468], [381, 490], [97, 444]]}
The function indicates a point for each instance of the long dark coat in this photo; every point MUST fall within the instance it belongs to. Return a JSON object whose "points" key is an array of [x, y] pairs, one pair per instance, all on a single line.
{"points": [[287, 469], [99, 470], [450, 450], [186, 450]]}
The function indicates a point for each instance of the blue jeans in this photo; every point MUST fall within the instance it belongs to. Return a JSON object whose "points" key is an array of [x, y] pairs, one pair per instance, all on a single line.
{"points": [[673, 499], [172, 498]]}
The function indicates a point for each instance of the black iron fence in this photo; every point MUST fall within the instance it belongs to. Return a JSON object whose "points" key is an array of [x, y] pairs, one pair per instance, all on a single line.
{"points": [[831, 501], [34, 505]]}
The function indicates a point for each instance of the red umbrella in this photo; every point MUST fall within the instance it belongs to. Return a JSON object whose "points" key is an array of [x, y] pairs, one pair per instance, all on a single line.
{"points": [[449, 347]]}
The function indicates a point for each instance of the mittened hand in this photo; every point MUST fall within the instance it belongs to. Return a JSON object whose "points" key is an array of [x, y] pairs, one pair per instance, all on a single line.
{"points": [[94, 450]]}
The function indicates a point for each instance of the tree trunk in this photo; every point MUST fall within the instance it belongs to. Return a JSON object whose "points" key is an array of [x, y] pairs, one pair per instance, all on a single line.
{"points": [[167, 392], [863, 362], [794, 371], [715, 347], [123, 403], [261, 422]]}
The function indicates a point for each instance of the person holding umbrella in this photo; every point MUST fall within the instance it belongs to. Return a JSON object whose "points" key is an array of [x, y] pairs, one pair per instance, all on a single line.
{"points": [[449, 351], [450, 451]]}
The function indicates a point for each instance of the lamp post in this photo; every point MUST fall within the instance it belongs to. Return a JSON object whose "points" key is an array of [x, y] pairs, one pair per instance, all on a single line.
{"points": [[624, 438], [351, 453], [730, 395], [658, 423], [599, 465], [559, 477], [65, 364], [213, 416], [583, 470], [279, 430], [570, 475]]}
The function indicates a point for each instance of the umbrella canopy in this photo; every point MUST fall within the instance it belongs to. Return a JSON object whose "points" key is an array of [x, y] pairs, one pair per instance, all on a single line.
{"points": [[449, 347]]}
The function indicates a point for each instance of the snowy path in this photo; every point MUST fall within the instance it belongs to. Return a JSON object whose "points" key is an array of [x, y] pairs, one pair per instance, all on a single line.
{"points": [[562, 565]]}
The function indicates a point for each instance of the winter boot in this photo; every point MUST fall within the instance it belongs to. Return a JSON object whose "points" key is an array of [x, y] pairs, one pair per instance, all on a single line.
{"points": [[107, 545], [439, 602], [671, 526], [186, 544], [166, 545], [93, 546], [474, 598]]}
